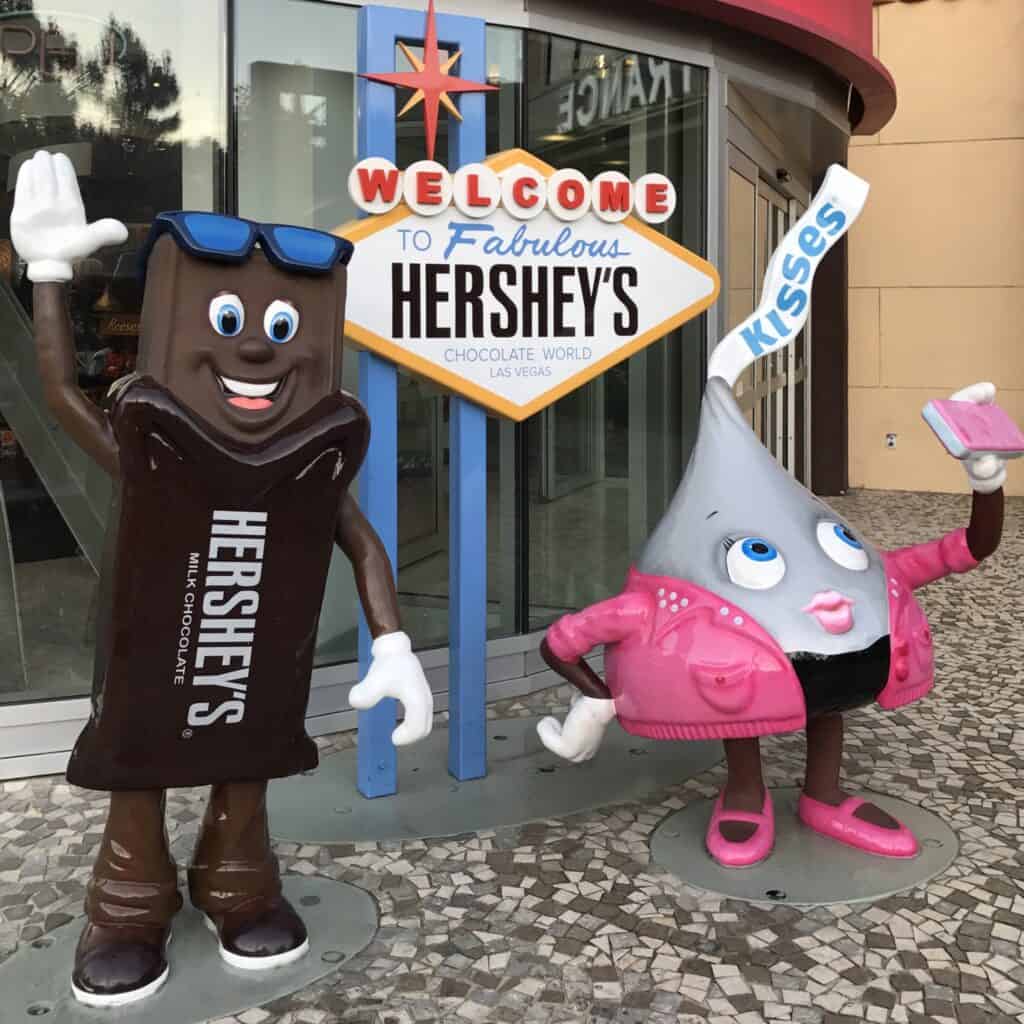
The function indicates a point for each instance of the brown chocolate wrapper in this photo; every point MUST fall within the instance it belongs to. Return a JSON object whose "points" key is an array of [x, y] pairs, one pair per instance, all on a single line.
{"points": [[192, 509]]}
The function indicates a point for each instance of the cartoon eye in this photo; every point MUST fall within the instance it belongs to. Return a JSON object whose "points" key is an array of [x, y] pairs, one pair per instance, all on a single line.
{"points": [[281, 321], [754, 563], [227, 315], [842, 547]]}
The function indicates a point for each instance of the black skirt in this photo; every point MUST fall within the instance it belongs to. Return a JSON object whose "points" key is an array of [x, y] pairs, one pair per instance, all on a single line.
{"points": [[843, 682]]}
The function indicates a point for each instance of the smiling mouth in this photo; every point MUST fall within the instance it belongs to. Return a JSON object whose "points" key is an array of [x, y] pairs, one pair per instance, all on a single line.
{"points": [[244, 394]]}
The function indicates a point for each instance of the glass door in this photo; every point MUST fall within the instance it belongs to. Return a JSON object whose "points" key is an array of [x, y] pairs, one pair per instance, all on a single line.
{"points": [[133, 94], [572, 455], [603, 461], [774, 392]]}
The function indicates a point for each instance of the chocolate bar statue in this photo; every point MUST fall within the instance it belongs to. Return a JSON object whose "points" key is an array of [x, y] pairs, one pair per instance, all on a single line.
{"points": [[754, 608], [233, 448]]}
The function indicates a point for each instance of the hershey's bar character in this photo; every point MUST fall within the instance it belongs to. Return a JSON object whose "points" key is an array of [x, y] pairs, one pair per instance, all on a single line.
{"points": [[233, 448]]}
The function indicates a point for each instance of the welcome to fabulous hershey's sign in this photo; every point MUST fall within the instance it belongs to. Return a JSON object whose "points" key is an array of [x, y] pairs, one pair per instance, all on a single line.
{"points": [[511, 283]]}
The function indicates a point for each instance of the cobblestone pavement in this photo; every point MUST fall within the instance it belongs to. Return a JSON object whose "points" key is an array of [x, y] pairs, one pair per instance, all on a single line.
{"points": [[567, 920]]}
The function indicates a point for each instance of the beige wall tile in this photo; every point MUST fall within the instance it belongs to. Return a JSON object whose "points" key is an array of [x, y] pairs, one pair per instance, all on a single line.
{"points": [[936, 261], [957, 68], [918, 462], [857, 141], [864, 338], [946, 338], [940, 214]]}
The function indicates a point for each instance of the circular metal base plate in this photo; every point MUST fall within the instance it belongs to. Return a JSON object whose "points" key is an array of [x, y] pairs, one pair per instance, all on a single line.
{"points": [[524, 783], [341, 920], [805, 869]]}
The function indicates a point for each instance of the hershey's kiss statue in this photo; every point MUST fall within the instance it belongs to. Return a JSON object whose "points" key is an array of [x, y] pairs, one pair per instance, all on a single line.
{"points": [[233, 448], [754, 608]]}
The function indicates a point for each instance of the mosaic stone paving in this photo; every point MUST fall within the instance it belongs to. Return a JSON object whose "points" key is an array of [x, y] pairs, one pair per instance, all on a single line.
{"points": [[567, 921]]}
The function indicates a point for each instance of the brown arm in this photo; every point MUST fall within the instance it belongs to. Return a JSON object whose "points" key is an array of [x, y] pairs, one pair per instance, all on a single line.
{"points": [[371, 565], [86, 424], [985, 529], [579, 673]]}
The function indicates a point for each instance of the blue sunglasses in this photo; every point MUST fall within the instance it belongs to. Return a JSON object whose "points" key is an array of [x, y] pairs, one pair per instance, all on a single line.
{"points": [[215, 236]]}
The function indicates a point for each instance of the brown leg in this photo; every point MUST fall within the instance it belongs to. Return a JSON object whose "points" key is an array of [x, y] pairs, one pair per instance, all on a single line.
{"points": [[824, 760], [234, 879], [130, 902], [744, 789], [233, 865]]}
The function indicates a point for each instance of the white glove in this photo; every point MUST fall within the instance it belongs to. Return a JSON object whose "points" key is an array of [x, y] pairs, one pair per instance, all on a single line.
{"points": [[986, 471], [48, 225], [580, 736], [396, 672]]}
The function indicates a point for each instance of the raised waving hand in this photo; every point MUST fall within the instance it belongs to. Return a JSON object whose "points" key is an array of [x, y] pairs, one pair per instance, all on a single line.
{"points": [[48, 225]]}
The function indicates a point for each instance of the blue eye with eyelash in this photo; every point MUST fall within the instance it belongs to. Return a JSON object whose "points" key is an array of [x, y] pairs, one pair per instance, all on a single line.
{"points": [[758, 550], [846, 537], [754, 563]]}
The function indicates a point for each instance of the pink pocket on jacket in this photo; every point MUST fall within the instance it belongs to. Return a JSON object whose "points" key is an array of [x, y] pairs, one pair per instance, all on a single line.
{"points": [[729, 689]]}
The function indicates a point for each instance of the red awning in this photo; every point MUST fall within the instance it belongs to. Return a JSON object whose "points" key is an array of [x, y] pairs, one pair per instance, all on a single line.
{"points": [[835, 33]]}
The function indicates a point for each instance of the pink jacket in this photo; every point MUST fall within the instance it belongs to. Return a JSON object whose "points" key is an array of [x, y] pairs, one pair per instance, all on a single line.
{"points": [[683, 664]]}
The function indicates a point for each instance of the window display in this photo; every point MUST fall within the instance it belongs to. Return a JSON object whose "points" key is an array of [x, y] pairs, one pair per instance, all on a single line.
{"points": [[135, 100]]}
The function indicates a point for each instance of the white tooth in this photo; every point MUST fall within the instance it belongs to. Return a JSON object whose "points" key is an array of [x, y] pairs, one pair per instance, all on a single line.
{"points": [[247, 390]]}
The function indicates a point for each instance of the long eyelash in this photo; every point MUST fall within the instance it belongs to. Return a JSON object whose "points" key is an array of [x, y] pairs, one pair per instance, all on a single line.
{"points": [[728, 543]]}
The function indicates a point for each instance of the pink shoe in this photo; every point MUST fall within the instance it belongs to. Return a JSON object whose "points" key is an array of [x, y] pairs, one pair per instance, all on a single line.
{"points": [[840, 823], [755, 849]]}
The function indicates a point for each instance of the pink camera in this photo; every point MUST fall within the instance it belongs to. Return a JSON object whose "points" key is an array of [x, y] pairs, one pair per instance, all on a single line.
{"points": [[967, 428]]}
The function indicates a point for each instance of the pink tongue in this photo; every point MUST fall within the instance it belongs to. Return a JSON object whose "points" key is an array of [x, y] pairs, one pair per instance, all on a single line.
{"points": [[241, 402]]}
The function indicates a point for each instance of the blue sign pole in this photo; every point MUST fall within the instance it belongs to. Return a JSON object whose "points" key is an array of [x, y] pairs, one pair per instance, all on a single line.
{"points": [[378, 388], [380, 29], [467, 606]]}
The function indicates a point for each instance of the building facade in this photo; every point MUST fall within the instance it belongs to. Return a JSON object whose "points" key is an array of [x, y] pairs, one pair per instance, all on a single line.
{"points": [[937, 285], [249, 107]]}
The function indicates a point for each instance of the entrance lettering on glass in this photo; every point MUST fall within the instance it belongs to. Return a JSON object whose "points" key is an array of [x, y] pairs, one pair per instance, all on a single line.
{"points": [[613, 89]]}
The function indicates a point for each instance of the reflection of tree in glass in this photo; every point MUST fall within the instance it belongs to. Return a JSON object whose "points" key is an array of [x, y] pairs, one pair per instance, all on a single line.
{"points": [[116, 86], [128, 109], [135, 95], [91, 85], [110, 92]]}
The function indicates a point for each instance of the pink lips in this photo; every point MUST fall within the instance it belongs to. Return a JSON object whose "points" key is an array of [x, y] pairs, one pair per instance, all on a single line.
{"points": [[832, 610]]}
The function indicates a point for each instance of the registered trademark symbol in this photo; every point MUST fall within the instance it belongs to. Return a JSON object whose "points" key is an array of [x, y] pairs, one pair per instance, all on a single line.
{"points": [[186, 734]]}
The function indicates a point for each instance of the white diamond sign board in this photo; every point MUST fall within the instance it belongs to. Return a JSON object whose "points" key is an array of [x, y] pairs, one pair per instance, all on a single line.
{"points": [[514, 307]]}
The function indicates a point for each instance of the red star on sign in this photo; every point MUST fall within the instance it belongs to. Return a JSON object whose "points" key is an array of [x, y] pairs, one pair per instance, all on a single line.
{"points": [[430, 81]]}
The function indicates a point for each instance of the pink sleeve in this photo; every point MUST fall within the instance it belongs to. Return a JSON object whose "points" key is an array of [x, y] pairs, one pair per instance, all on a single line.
{"points": [[607, 622], [922, 564]]}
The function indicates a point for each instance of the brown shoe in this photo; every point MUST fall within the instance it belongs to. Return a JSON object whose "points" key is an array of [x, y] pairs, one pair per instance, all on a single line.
{"points": [[120, 965], [261, 940], [131, 899], [234, 880]]}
